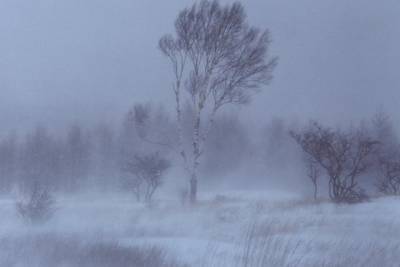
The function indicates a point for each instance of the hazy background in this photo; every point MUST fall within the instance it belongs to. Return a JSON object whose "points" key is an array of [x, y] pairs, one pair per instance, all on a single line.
{"points": [[74, 60]]}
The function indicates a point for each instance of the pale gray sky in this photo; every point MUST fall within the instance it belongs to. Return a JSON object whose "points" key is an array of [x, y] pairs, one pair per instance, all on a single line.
{"points": [[65, 60]]}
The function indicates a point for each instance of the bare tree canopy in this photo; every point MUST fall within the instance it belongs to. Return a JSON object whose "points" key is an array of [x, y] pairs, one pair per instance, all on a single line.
{"points": [[222, 56], [344, 155], [217, 59]]}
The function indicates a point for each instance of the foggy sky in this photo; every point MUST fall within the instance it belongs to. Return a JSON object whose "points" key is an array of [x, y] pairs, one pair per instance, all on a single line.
{"points": [[72, 60]]}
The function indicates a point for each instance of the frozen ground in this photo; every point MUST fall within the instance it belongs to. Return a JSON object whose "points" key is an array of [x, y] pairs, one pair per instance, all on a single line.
{"points": [[229, 229]]}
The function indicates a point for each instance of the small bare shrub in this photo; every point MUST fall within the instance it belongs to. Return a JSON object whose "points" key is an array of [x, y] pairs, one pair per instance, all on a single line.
{"points": [[148, 173], [38, 206], [389, 183], [388, 163], [345, 156], [387, 157]]}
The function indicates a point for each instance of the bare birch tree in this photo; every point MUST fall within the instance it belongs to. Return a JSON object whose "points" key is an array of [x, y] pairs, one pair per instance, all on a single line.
{"points": [[217, 59]]}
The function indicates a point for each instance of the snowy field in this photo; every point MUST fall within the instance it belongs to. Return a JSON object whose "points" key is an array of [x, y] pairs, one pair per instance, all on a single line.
{"points": [[229, 229]]}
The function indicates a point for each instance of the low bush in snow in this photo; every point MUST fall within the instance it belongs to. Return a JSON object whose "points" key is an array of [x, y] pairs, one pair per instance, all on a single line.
{"points": [[146, 175]]}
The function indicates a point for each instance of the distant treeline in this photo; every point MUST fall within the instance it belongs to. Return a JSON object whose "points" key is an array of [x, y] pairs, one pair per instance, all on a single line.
{"points": [[82, 156]]}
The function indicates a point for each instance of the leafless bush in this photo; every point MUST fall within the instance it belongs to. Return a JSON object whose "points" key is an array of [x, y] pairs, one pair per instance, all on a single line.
{"points": [[387, 157], [344, 155], [147, 174], [389, 180], [38, 206]]}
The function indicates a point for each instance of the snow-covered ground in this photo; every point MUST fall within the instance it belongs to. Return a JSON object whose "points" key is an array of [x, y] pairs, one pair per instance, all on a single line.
{"points": [[229, 229]]}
